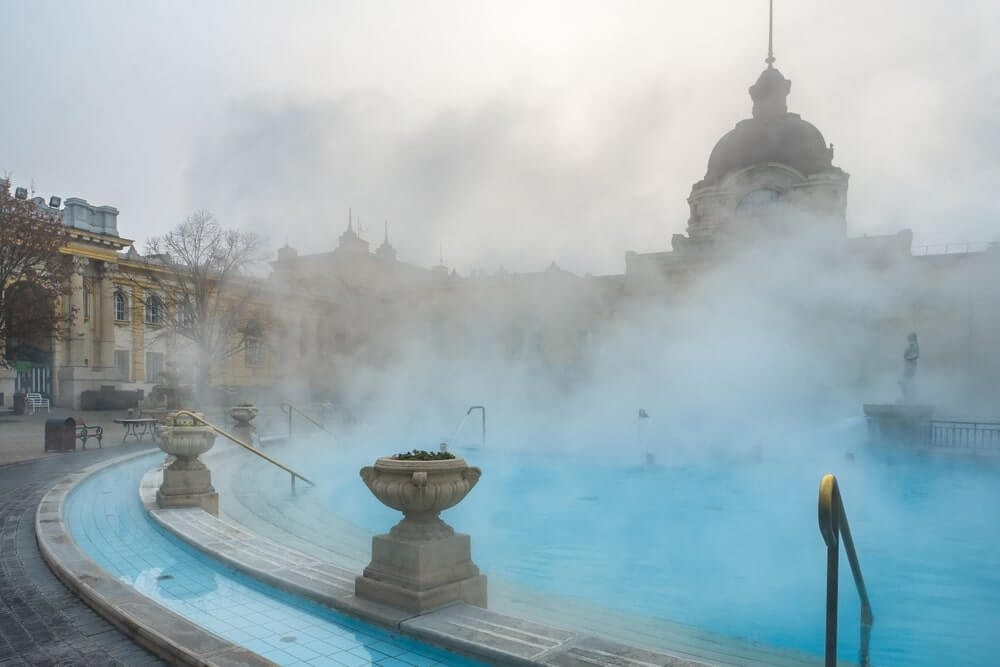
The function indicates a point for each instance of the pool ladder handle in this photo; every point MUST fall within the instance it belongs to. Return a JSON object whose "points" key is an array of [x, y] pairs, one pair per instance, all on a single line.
{"points": [[833, 525], [481, 408], [288, 408], [248, 447]]}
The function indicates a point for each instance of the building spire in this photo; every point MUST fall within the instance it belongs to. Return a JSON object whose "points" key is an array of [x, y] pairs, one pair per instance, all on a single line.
{"points": [[350, 222], [770, 35], [386, 232]]}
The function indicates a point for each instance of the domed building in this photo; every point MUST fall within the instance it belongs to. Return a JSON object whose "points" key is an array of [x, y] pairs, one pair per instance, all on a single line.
{"points": [[769, 176], [770, 161]]}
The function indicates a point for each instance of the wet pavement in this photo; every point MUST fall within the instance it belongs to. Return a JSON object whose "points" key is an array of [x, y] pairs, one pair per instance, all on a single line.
{"points": [[41, 621]]}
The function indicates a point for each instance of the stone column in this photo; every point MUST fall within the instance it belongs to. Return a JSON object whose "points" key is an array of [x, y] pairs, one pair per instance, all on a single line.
{"points": [[77, 332], [138, 369], [106, 311]]}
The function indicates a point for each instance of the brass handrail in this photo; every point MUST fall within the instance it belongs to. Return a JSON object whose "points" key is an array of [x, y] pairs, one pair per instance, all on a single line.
{"points": [[244, 445], [833, 524], [299, 410]]}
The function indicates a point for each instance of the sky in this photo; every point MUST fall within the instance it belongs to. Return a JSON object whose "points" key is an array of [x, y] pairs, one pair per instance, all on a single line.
{"points": [[489, 134]]}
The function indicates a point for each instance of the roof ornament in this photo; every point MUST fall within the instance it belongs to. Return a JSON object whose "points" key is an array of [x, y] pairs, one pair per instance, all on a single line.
{"points": [[770, 35]]}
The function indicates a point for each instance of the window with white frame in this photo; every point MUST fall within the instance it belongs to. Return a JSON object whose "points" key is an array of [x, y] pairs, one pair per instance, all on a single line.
{"points": [[121, 306], [154, 309]]}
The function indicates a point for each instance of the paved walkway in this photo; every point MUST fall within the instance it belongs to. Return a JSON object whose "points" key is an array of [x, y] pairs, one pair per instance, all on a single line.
{"points": [[22, 437], [41, 622]]}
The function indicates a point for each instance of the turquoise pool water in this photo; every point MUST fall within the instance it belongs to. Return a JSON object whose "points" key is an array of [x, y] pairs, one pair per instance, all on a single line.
{"points": [[732, 547], [108, 521]]}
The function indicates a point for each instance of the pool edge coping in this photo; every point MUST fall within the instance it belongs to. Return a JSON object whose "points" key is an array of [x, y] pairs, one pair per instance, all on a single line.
{"points": [[165, 633], [459, 628]]}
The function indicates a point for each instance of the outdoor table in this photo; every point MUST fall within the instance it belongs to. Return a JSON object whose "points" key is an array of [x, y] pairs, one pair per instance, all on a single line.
{"points": [[137, 427]]}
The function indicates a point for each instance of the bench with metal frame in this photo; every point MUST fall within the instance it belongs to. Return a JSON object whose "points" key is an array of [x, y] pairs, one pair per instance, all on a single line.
{"points": [[83, 432]]}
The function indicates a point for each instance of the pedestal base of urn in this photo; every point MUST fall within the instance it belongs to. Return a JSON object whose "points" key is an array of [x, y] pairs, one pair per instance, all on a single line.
{"points": [[420, 576], [188, 488]]}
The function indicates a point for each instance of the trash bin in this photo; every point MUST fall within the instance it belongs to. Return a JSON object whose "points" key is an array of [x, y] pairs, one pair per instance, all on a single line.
{"points": [[20, 401], [60, 434]]}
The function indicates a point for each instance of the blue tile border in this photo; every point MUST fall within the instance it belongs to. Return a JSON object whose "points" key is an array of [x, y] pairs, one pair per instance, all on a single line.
{"points": [[163, 632], [478, 633], [459, 628]]}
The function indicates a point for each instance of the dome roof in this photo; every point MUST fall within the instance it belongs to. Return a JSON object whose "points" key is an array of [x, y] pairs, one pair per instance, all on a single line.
{"points": [[772, 135], [785, 139]]}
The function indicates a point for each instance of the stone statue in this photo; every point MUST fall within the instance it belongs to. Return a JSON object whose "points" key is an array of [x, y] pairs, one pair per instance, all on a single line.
{"points": [[910, 357]]}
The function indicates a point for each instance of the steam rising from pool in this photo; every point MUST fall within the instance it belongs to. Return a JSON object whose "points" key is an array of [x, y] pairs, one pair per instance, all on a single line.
{"points": [[752, 372]]}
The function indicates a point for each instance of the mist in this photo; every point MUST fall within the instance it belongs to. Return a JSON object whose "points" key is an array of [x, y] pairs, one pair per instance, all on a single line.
{"points": [[753, 371], [526, 147], [512, 136], [786, 334]]}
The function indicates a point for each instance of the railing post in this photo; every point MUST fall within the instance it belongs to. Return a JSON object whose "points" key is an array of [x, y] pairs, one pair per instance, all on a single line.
{"points": [[832, 566], [836, 529]]}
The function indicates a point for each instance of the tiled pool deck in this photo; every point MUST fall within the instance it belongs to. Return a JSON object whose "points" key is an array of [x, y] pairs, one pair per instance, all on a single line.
{"points": [[310, 528], [193, 609], [238, 616]]}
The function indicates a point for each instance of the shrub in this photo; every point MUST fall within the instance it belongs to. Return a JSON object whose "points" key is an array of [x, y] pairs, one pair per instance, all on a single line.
{"points": [[422, 455]]}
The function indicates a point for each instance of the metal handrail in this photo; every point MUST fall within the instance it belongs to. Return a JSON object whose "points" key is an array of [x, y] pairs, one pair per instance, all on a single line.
{"points": [[291, 407], [833, 524], [244, 445], [483, 409]]}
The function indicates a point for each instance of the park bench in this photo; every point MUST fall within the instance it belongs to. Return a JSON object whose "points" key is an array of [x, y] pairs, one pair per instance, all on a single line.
{"points": [[83, 432], [33, 401]]}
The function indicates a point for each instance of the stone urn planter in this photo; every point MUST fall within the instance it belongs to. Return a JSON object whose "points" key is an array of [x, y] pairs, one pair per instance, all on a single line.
{"points": [[422, 563], [243, 414], [187, 482]]}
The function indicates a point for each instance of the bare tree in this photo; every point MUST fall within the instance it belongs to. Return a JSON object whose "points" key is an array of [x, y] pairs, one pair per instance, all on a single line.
{"points": [[203, 274], [34, 274]]}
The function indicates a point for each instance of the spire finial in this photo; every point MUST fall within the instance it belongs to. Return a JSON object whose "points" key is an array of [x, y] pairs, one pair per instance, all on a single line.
{"points": [[350, 222], [387, 231], [770, 35]]}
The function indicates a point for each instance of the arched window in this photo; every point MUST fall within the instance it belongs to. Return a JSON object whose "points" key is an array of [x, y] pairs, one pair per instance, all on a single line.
{"points": [[760, 204], [154, 309], [121, 306]]}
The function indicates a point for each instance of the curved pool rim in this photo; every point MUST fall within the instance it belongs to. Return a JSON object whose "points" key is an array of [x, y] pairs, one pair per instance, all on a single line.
{"points": [[156, 628], [889, 473], [482, 634], [510, 598], [189, 643]]}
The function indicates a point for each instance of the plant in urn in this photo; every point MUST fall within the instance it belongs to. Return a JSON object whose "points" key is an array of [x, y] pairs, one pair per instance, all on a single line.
{"points": [[187, 482], [422, 563]]}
